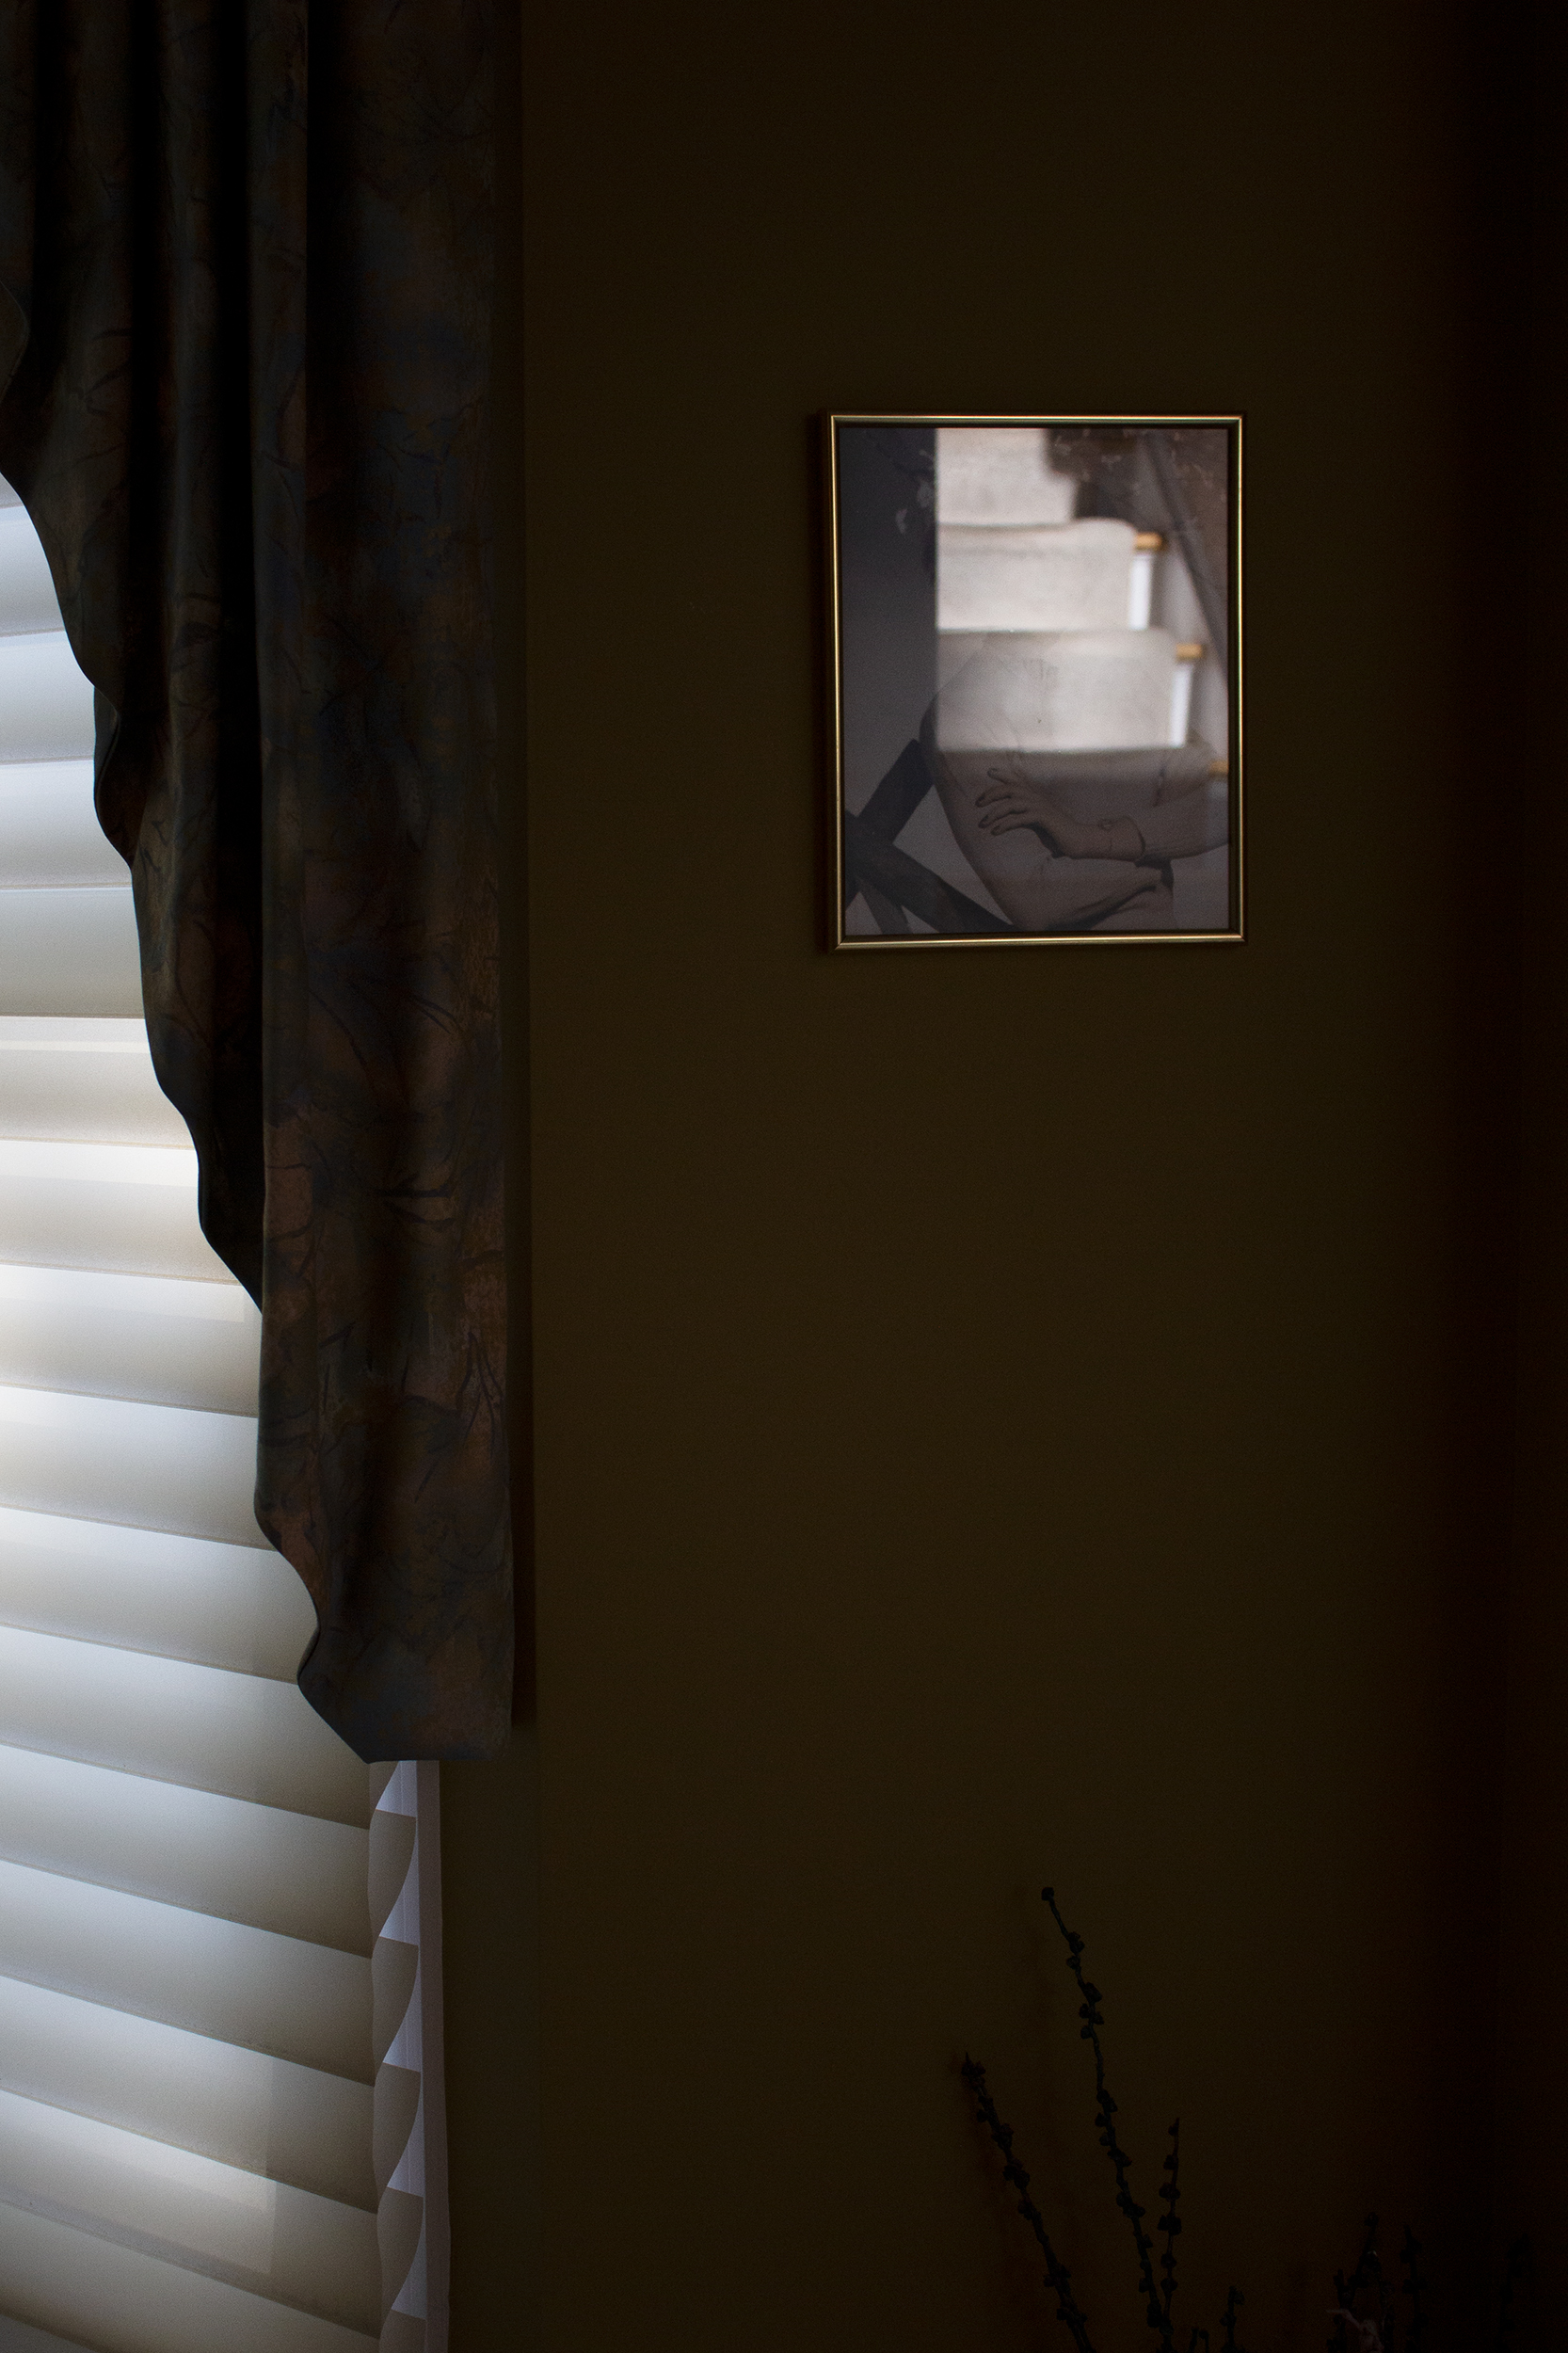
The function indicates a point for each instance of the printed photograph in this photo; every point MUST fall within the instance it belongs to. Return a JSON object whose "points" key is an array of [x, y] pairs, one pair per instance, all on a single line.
{"points": [[1035, 666]]}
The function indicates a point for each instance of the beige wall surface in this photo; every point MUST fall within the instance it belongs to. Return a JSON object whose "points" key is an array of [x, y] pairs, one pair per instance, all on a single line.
{"points": [[997, 1416]]}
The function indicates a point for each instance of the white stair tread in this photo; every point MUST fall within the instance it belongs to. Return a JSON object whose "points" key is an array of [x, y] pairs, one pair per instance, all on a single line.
{"points": [[1083, 690], [1000, 473], [1071, 576]]}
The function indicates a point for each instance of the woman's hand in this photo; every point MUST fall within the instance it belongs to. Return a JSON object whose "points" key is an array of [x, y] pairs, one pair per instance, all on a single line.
{"points": [[1013, 800]]}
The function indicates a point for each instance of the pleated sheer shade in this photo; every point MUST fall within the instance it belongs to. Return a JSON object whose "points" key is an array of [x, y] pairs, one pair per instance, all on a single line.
{"points": [[216, 2119]]}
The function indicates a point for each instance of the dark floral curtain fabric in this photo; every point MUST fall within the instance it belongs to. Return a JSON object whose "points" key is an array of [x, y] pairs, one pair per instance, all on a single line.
{"points": [[246, 254]]}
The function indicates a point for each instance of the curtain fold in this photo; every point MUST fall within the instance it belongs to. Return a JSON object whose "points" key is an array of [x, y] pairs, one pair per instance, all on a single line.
{"points": [[245, 248]]}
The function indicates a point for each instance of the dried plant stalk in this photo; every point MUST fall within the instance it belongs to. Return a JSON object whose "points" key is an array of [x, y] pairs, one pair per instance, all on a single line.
{"points": [[1013, 2173], [1089, 2011], [1171, 2226]]}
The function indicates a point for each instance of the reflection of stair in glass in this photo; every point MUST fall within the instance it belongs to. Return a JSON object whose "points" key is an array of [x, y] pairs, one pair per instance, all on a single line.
{"points": [[1063, 634], [1062, 691], [1000, 473], [1041, 576], [1012, 559]]}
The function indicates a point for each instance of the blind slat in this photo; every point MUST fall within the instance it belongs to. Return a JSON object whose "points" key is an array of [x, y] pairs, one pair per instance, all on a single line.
{"points": [[242, 2107], [207, 1728], [53, 1214], [68, 952], [46, 702], [27, 599], [274, 1993], [291, 1872], [229, 2222], [102, 1458], [191, 2115], [129, 1335], [115, 1168], [218, 1605], [49, 828], [120, 2301], [84, 1079], [16, 2336]]}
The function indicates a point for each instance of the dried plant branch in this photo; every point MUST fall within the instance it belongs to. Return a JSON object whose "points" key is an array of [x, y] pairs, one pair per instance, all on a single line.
{"points": [[1364, 2287], [1057, 2274], [1414, 2288], [1363, 2319], [1089, 2011], [1171, 2226]]}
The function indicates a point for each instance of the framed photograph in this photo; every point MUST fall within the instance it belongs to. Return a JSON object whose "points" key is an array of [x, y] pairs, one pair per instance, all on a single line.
{"points": [[1036, 679]]}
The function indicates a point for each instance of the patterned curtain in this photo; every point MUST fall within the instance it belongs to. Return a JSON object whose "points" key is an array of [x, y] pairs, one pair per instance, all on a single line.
{"points": [[246, 278]]}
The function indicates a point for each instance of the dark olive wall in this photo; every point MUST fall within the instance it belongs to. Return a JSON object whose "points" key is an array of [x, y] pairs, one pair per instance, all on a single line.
{"points": [[998, 1416], [1532, 2066]]}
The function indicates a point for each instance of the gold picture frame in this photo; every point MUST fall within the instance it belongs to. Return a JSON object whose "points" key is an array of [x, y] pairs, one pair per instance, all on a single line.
{"points": [[1008, 598]]}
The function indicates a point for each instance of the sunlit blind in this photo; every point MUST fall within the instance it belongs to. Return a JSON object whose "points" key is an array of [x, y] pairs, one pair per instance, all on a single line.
{"points": [[208, 1927]]}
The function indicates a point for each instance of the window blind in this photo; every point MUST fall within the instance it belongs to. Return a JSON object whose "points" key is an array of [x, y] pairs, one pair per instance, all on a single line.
{"points": [[215, 2014]]}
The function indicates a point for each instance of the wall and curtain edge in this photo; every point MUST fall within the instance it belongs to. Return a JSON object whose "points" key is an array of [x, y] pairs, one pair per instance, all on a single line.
{"points": [[1361, 1065]]}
